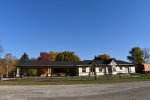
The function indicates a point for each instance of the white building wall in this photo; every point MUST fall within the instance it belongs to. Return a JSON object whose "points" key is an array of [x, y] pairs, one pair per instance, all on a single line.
{"points": [[98, 73], [120, 69], [97, 69], [115, 70], [126, 69], [132, 69], [80, 70], [87, 69], [84, 73], [113, 63]]}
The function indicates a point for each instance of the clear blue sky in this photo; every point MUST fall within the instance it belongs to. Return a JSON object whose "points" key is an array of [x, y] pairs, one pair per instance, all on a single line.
{"points": [[87, 27]]}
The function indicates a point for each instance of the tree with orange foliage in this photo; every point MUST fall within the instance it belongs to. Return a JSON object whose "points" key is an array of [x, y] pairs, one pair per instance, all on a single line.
{"points": [[45, 56], [2, 69], [102, 57]]}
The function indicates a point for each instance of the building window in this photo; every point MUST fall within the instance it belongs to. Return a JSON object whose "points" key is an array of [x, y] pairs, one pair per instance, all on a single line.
{"points": [[84, 69], [100, 69], [92, 69], [120, 68], [114, 69]]}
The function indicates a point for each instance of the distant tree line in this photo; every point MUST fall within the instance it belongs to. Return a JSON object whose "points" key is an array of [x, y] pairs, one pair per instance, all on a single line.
{"points": [[50, 56], [8, 62]]}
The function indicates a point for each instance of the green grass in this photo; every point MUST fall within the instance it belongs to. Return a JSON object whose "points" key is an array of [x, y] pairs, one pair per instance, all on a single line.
{"points": [[75, 80]]}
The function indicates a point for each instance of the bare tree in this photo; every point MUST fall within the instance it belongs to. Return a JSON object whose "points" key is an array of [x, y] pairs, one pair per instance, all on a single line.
{"points": [[146, 56], [2, 69], [10, 63]]}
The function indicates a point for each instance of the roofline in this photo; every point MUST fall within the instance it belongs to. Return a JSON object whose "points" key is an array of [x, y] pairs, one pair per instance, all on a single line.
{"points": [[126, 64], [81, 65], [145, 63], [71, 64], [44, 65]]}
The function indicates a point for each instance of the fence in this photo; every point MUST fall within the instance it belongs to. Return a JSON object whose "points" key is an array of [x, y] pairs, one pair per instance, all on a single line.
{"points": [[71, 78]]}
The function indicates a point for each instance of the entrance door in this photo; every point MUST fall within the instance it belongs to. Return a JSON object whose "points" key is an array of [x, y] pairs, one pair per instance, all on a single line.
{"points": [[109, 70], [92, 71]]}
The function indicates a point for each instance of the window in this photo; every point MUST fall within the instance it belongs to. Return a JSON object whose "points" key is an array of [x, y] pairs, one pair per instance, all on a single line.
{"points": [[92, 69], [114, 69], [100, 69], [120, 68], [84, 69]]}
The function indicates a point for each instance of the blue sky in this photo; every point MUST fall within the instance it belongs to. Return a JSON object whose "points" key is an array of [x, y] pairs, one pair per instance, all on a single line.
{"points": [[87, 27]]}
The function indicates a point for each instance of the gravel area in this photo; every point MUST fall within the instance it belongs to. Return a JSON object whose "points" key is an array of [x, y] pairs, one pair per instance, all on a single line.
{"points": [[118, 91]]}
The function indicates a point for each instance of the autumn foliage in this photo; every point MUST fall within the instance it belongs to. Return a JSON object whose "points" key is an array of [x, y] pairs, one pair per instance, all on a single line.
{"points": [[45, 56], [67, 56], [102, 57], [2, 68], [136, 55]]}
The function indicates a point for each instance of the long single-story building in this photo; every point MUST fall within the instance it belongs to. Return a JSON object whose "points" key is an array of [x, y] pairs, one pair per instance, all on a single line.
{"points": [[80, 68]]}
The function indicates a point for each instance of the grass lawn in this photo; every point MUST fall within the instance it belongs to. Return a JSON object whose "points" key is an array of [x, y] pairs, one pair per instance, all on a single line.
{"points": [[75, 80]]}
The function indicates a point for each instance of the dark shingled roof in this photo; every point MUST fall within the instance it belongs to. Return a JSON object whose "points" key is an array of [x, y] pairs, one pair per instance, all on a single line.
{"points": [[84, 63], [109, 61], [69, 63], [99, 62], [47, 63], [124, 62]]}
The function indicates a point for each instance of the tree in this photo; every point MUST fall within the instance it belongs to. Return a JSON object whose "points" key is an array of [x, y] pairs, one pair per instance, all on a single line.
{"points": [[24, 57], [33, 59], [67, 56], [136, 55], [102, 57], [146, 55], [32, 72], [2, 69], [10, 63], [53, 55], [44, 56]]}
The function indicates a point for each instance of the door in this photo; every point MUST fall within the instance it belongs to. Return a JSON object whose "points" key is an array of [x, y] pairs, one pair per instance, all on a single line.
{"points": [[109, 70]]}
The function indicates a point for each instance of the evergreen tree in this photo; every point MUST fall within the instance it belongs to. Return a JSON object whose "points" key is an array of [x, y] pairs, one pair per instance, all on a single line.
{"points": [[24, 57]]}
